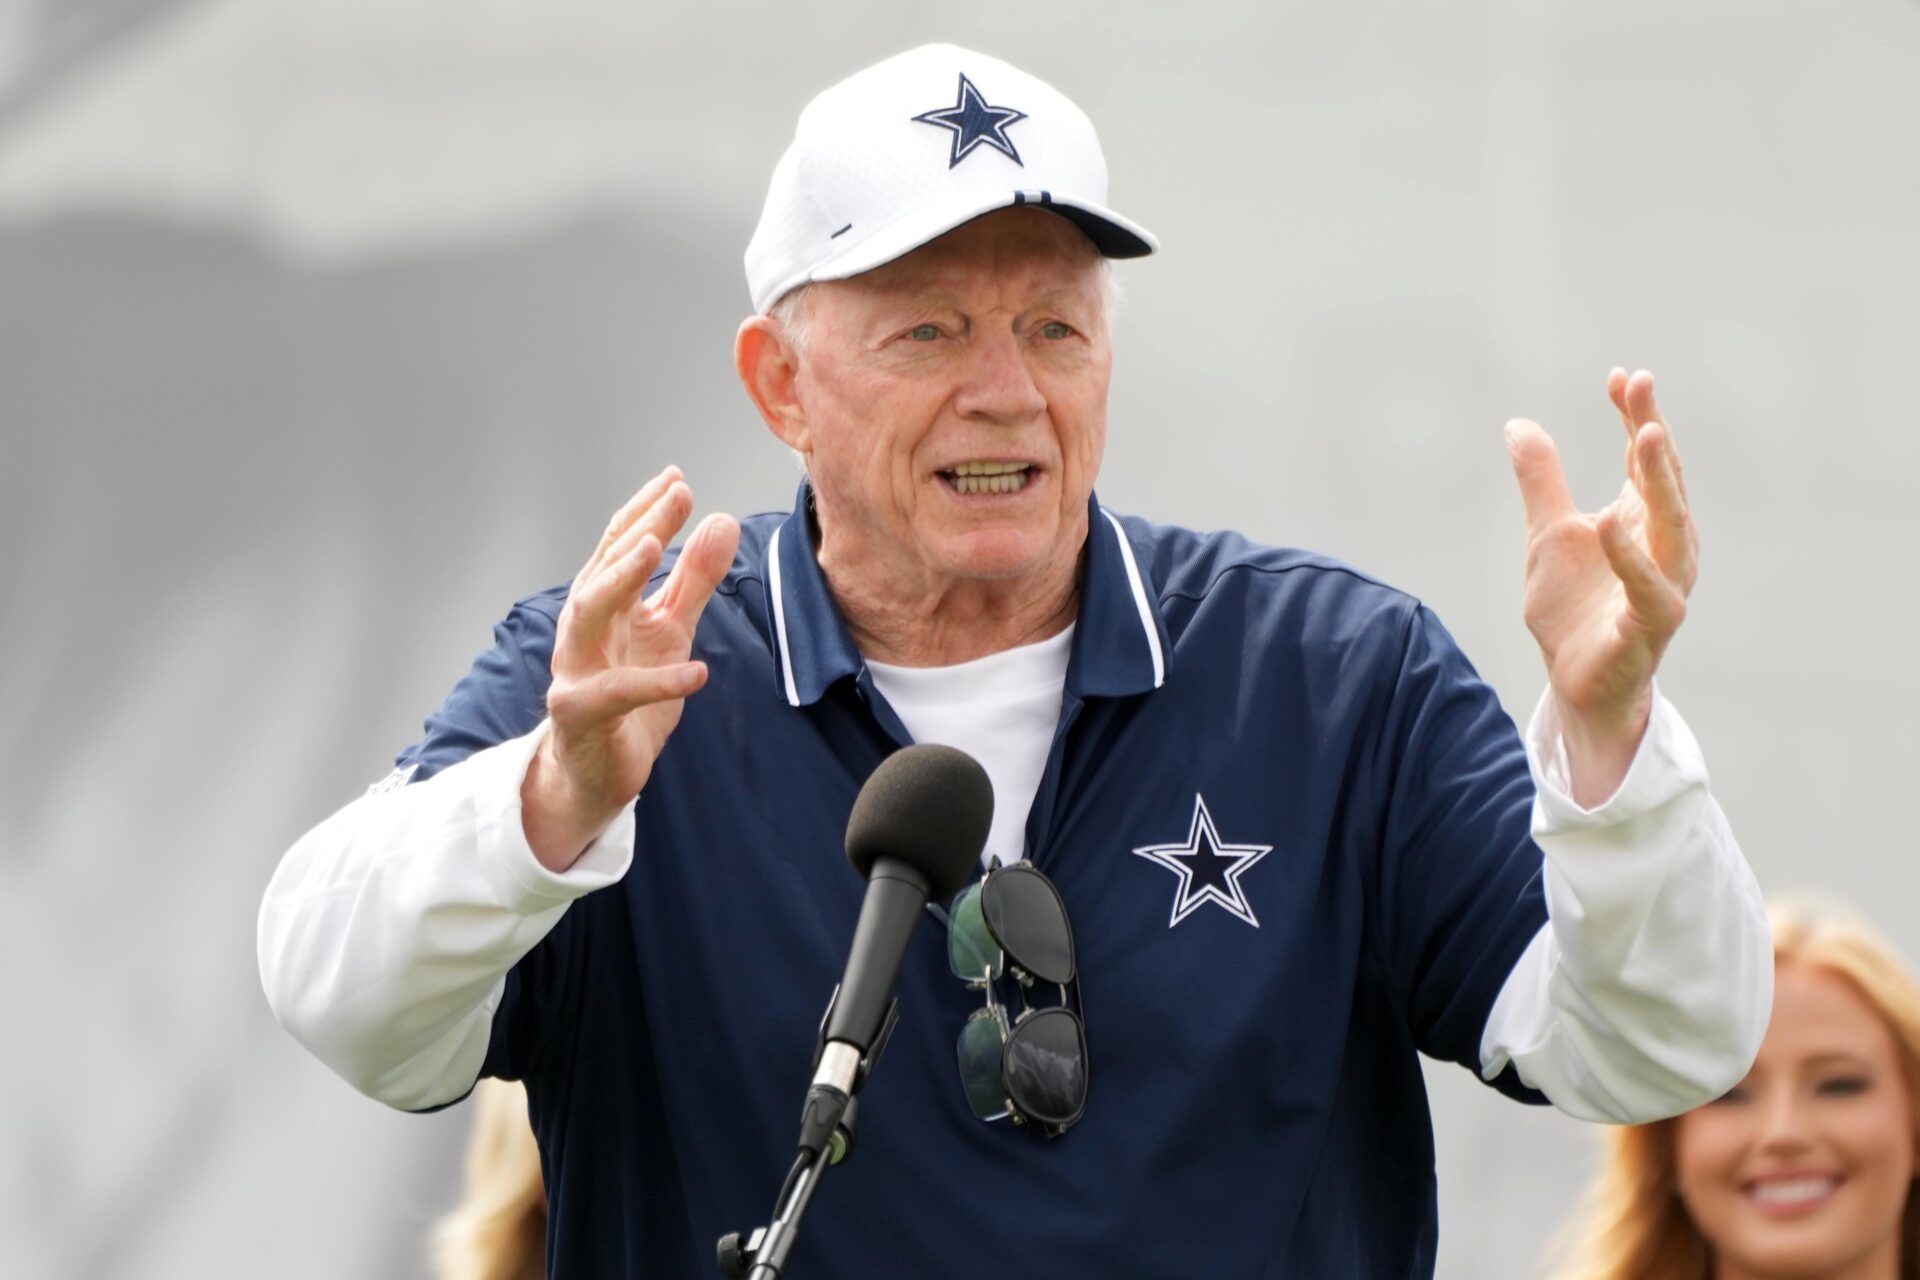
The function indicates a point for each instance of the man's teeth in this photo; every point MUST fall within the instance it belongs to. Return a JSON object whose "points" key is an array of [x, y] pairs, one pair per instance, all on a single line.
{"points": [[989, 477], [1797, 1191]]}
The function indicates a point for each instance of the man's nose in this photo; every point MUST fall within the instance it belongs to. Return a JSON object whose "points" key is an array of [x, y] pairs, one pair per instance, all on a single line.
{"points": [[998, 384]]}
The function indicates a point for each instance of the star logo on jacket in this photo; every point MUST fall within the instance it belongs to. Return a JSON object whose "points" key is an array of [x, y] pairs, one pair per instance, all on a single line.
{"points": [[974, 124], [1209, 868]]}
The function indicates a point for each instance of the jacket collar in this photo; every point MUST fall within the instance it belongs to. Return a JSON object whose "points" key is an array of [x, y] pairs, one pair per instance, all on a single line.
{"points": [[1119, 644]]}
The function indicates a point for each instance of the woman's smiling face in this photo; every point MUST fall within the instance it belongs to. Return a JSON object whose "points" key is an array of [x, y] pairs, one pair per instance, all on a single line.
{"points": [[1804, 1168]]}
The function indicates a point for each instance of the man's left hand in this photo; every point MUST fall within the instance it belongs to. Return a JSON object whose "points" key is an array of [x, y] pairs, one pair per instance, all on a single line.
{"points": [[1606, 591]]}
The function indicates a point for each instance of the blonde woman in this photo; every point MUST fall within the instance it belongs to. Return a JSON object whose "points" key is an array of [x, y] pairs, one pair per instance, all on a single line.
{"points": [[1806, 1168], [498, 1231]]}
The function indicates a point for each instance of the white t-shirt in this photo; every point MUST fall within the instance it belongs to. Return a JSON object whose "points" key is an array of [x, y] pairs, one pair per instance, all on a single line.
{"points": [[1001, 710]]}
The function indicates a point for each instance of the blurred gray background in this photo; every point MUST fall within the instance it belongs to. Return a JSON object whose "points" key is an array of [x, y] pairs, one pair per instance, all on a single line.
{"points": [[329, 327]]}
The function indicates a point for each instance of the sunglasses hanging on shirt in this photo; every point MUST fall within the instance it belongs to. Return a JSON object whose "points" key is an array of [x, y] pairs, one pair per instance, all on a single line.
{"points": [[1029, 1064]]}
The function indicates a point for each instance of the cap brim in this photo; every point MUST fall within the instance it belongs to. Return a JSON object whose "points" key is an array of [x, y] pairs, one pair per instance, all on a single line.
{"points": [[1113, 235]]}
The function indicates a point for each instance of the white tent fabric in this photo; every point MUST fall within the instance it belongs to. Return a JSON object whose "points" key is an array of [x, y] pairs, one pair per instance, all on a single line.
{"points": [[335, 128]]}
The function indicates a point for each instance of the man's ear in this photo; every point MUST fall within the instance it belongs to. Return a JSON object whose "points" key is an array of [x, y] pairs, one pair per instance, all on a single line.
{"points": [[769, 368]]}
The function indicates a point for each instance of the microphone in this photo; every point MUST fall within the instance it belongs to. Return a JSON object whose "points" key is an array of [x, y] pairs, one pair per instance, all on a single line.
{"points": [[916, 833]]}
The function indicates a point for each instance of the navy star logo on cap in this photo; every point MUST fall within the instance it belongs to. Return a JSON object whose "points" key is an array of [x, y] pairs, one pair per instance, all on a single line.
{"points": [[1208, 867], [974, 122]]}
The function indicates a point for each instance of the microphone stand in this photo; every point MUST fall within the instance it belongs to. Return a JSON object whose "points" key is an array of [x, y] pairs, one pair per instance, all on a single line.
{"points": [[766, 1250], [918, 825], [827, 1129]]}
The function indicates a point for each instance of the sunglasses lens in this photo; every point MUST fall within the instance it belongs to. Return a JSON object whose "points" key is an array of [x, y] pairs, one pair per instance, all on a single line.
{"points": [[981, 1041], [1024, 911], [1046, 1067], [971, 951]]}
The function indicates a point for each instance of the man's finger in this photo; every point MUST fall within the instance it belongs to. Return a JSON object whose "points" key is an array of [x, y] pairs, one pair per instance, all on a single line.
{"points": [[598, 600], [1653, 598], [703, 564], [1617, 392], [1536, 465], [1617, 379], [1642, 408], [661, 521], [1669, 522], [623, 519], [614, 692]]}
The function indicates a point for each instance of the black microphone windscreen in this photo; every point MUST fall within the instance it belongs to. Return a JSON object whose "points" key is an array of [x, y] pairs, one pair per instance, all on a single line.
{"points": [[929, 806]]}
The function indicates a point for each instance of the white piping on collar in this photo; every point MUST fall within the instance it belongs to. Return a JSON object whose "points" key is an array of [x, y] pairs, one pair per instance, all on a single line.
{"points": [[1140, 600], [780, 617]]}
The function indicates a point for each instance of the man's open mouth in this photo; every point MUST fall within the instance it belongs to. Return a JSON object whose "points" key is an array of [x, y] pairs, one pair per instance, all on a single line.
{"points": [[989, 477]]}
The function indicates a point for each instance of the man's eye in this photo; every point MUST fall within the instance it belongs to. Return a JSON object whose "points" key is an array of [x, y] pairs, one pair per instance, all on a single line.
{"points": [[1844, 1086], [924, 332], [1055, 329], [1736, 1094]]}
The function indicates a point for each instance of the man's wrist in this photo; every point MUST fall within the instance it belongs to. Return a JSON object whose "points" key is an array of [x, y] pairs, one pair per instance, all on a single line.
{"points": [[558, 827], [1601, 744]]}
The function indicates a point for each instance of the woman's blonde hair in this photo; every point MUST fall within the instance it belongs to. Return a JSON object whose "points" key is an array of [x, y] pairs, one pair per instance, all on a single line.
{"points": [[498, 1231], [1635, 1226]]}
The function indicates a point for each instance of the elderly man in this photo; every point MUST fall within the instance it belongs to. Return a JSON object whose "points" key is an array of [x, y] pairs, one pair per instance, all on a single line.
{"points": [[1296, 839]]}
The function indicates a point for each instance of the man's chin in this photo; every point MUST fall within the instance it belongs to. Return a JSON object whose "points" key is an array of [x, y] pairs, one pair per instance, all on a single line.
{"points": [[996, 555]]}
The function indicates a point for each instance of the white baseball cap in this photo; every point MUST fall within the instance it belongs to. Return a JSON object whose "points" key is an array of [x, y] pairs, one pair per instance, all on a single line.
{"points": [[911, 148]]}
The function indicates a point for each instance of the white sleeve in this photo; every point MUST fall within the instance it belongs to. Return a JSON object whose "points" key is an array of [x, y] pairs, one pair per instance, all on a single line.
{"points": [[1648, 990], [387, 931]]}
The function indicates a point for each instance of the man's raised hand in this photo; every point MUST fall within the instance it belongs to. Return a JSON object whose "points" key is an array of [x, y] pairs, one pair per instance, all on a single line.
{"points": [[621, 667], [1606, 591]]}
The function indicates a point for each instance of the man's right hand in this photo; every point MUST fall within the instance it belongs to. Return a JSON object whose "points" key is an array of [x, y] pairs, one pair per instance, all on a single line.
{"points": [[620, 668]]}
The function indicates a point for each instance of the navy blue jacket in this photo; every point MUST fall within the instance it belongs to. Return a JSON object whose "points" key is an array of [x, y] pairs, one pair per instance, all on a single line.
{"points": [[1255, 1106]]}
